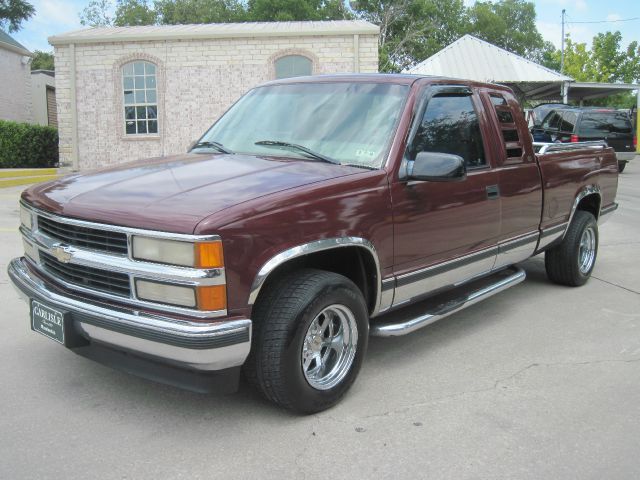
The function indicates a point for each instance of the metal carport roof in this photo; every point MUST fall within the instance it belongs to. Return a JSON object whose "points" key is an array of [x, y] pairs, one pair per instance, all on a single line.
{"points": [[474, 59]]}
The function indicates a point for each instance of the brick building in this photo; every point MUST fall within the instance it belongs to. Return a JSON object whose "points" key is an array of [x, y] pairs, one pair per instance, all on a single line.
{"points": [[125, 93], [15, 79]]}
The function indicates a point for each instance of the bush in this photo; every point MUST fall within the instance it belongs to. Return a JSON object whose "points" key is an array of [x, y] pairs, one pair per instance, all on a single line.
{"points": [[23, 145]]}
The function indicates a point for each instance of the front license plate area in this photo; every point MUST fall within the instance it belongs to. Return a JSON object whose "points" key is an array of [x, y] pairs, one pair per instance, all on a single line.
{"points": [[48, 321]]}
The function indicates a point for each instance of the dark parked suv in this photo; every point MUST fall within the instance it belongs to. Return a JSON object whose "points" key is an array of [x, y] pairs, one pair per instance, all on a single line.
{"points": [[582, 124]]}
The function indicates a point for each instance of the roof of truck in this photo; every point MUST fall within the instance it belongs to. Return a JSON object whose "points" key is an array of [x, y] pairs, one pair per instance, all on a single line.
{"points": [[395, 78]]}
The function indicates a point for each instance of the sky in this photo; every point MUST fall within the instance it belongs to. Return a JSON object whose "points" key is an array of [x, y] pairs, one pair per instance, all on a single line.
{"points": [[58, 16]]}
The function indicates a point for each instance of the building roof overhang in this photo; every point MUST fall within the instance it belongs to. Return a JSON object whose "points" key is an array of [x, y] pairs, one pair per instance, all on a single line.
{"points": [[214, 31]]}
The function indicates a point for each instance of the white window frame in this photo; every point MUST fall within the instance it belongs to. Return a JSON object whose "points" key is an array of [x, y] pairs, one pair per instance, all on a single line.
{"points": [[149, 71]]}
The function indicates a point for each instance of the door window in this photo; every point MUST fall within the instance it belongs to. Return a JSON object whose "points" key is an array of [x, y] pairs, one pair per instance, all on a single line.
{"points": [[568, 122], [552, 120], [450, 125]]}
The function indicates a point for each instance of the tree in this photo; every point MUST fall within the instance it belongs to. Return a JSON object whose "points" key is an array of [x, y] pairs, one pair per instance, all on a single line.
{"points": [[606, 61], [13, 13], [179, 12], [296, 10], [42, 61], [134, 12], [175, 12], [510, 24], [547, 56], [96, 14], [412, 30], [611, 63], [577, 61], [630, 70]]}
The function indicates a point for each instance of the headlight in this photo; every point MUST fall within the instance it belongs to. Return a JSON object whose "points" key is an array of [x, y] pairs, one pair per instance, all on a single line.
{"points": [[25, 218], [175, 252]]}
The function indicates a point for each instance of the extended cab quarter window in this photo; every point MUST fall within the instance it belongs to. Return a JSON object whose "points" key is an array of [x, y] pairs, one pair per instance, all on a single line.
{"points": [[140, 98], [450, 125], [507, 125]]}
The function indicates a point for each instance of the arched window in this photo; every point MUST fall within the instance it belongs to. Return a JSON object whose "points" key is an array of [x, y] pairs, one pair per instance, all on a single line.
{"points": [[293, 66], [139, 86]]}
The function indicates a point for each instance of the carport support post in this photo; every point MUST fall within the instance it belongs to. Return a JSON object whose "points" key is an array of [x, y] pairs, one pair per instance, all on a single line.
{"points": [[637, 120], [565, 92]]}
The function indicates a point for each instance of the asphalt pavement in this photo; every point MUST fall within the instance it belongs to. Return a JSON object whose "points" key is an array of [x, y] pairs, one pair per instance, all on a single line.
{"points": [[538, 382]]}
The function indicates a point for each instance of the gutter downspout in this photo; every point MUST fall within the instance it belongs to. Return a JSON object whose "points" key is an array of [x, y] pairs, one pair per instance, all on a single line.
{"points": [[75, 164], [356, 53]]}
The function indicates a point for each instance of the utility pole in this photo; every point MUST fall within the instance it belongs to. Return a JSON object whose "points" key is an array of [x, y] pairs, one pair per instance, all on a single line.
{"points": [[562, 44]]}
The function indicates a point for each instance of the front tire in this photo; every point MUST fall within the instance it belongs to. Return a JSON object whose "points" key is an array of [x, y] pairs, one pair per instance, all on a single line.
{"points": [[310, 336], [572, 261], [621, 165]]}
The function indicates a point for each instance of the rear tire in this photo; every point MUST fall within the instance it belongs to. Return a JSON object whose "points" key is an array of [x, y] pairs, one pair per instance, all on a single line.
{"points": [[572, 261], [310, 335]]}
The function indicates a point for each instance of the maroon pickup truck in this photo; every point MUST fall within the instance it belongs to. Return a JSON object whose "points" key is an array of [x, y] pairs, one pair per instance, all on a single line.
{"points": [[316, 211]]}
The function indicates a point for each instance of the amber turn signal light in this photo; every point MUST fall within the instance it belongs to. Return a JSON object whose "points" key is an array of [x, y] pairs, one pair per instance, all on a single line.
{"points": [[209, 255], [212, 298]]}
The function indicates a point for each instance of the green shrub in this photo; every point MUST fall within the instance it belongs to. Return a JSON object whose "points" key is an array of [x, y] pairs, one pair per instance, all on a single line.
{"points": [[23, 145]]}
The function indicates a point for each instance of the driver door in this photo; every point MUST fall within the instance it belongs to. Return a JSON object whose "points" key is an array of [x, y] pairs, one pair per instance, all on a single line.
{"points": [[446, 232]]}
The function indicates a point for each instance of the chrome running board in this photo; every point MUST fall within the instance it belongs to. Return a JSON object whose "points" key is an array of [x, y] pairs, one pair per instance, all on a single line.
{"points": [[446, 304]]}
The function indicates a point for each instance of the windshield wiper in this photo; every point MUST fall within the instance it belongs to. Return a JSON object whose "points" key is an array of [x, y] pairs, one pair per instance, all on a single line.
{"points": [[358, 165], [215, 145], [295, 146]]}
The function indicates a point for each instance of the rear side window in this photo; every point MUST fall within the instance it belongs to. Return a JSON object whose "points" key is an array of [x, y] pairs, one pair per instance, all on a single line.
{"points": [[603, 123], [552, 120], [568, 122], [450, 125]]}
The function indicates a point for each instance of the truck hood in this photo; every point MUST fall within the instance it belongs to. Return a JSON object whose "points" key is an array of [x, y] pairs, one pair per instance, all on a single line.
{"points": [[175, 193]]}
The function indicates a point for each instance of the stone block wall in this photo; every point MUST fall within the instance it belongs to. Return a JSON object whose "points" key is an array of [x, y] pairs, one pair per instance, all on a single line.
{"points": [[197, 81]]}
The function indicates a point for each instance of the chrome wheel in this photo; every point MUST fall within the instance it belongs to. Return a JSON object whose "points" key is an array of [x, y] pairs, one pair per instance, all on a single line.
{"points": [[329, 347], [587, 250]]}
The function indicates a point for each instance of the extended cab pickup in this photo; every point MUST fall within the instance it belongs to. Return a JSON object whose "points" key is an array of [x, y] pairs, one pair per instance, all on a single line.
{"points": [[316, 211]]}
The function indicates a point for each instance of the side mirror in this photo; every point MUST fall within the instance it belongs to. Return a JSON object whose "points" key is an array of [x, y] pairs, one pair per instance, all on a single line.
{"points": [[191, 145], [438, 167]]}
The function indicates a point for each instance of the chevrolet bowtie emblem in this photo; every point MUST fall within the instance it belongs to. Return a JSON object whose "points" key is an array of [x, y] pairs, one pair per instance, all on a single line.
{"points": [[63, 254]]}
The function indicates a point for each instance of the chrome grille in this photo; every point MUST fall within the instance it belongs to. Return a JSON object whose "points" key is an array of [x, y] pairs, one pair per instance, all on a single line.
{"points": [[114, 283], [103, 240]]}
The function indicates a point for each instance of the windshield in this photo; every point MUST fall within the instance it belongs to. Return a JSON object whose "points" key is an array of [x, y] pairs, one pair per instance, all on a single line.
{"points": [[350, 123]]}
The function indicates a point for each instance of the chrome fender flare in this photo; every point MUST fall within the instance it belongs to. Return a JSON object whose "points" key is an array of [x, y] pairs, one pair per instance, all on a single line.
{"points": [[312, 247]]}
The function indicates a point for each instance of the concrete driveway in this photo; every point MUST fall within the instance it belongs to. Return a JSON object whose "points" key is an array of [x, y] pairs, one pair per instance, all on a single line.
{"points": [[539, 382]]}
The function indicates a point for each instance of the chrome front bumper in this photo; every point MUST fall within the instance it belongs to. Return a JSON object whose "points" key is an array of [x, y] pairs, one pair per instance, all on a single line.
{"points": [[203, 346]]}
